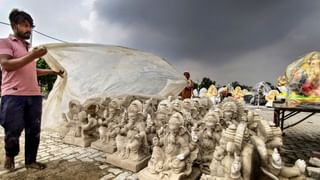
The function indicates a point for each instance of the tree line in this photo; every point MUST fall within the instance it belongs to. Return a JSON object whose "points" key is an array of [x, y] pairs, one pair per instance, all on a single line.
{"points": [[207, 82]]}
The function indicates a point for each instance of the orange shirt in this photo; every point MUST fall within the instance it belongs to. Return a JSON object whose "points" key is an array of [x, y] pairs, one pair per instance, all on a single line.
{"points": [[187, 91]]}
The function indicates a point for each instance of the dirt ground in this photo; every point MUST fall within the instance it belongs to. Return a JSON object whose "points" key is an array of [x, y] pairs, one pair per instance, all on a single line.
{"points": [[56, 170], [59, 169]]}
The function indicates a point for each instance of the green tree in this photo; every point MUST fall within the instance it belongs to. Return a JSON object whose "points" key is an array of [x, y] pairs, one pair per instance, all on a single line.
{"points": [[45, 82], [234, 84], [206, 82], [249, 88], [243, 86], [195, 85]]}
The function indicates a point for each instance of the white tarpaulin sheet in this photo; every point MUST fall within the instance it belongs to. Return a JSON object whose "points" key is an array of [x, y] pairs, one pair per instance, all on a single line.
{"points": [[93, 70]]}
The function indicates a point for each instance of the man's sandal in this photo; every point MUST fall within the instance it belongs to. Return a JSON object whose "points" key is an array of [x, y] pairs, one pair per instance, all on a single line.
{"points": [[36, 165]]}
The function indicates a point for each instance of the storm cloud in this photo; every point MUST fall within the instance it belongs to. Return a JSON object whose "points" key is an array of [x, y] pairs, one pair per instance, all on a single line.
{"points": [[226, 40], [218, 33]]}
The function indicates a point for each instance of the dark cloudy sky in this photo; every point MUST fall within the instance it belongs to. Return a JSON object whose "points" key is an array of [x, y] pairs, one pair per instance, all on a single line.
{"points": [[225, 40]]}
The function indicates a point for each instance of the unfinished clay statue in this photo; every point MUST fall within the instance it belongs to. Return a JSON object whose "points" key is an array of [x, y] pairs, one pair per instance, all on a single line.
{"points": [[149, 107], [196, 118], [229, 158], [163, 113], [132, 146], [164, 106], [161, 119], [267, 145], [173, 154], [83, 134], [224, 166], [216, 167], [208, 139], [151, 129], [71, 120], [232, 155], [109, 127], [176, 106], [195, 112], [204, 105], [235, 172], [276, 169], [232, 112], [74, 109], [103, 106], [86, 123], [187, 109], [89, 130]]}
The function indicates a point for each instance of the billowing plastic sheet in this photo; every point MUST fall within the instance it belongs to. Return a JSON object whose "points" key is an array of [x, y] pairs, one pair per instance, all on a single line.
{"points": [[93, 70]]}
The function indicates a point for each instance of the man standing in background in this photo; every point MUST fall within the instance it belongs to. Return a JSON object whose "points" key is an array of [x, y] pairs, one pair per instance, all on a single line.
{"points": [[187, 91]]}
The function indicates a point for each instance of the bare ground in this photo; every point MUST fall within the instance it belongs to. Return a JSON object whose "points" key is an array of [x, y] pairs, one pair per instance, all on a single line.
{"points": [[56, 170]]}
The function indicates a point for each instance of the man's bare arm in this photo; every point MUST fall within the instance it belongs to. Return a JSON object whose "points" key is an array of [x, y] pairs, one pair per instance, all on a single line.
{"points": [[43, 72], [10, 64]]}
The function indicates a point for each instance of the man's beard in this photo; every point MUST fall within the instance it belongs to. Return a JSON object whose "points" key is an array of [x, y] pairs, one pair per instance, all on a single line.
{"points": [[25, 35]]}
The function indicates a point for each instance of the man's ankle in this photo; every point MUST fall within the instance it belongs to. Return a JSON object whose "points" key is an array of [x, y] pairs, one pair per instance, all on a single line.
{"points": [[9, 162], [9, 158]]}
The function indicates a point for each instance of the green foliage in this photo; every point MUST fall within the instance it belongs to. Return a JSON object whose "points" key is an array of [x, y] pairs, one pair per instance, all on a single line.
{"points": [[195, 85], [234, 84], [249, 88], [45, 82], [206, 82]]}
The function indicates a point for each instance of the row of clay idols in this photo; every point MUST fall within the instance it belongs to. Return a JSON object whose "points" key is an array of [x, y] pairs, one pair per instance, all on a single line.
{"points": [[98, 112], [105, 118], [178, 134], [249, 150], [224, 147], [244, 153], [116, 126]]}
